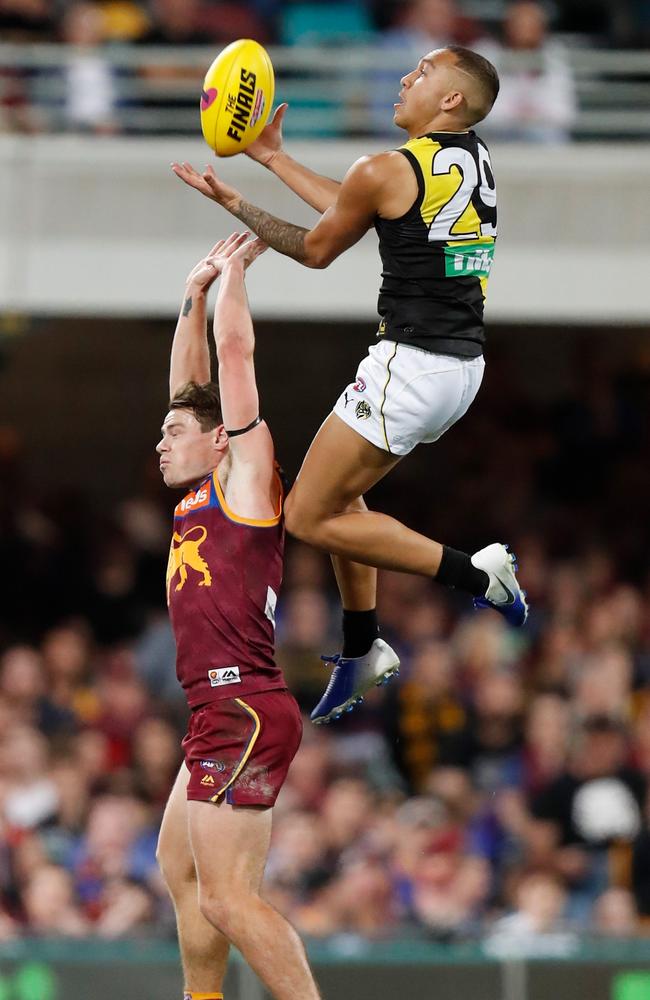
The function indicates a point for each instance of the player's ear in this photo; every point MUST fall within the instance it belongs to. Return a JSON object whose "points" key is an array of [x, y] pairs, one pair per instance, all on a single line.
{"points": [[220, 438], [452, 100]]}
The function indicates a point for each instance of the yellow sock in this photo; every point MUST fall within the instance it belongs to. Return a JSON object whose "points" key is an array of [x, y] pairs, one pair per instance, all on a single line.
{"points": [[188, 995]]}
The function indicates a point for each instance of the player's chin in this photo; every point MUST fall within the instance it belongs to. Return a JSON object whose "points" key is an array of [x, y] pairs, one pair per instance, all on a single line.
{"points": [[398, 116]]}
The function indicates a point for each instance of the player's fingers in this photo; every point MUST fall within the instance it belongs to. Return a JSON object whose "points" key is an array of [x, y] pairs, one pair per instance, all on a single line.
{"points": [[236, 244], [211, 181], [233, 241], [279, 114], [216, 248]]}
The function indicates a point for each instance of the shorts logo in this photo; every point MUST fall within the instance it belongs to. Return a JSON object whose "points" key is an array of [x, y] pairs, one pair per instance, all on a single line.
{"points": [[207, 779], [209, 765], [362, 410], [359, 385], [224, 675]]}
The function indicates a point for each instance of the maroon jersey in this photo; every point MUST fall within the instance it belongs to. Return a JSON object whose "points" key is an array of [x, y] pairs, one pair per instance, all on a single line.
{"points": [[223, 578]]}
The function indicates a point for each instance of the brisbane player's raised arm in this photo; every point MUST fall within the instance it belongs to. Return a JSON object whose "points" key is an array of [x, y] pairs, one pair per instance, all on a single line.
{"points": [[368, 185], [252, 488], [190, 357]]}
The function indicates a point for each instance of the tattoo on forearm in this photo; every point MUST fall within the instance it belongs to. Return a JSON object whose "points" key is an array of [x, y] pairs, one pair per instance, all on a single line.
{"points": [[187, 306], [282, 236]]}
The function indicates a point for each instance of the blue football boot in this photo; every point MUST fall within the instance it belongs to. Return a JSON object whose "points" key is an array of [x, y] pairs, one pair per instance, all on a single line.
{"points": [[352, 678]]}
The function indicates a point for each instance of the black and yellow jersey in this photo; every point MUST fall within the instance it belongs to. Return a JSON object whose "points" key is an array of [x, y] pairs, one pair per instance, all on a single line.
{"points": [[437, 257]]}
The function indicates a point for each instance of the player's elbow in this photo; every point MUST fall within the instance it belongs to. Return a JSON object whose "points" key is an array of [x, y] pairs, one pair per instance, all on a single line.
{"points": [[320, 260], [232, 344], [317, 255]]}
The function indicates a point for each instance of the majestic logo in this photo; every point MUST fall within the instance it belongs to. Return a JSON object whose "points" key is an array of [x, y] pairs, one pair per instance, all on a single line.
{"points": [[359, 385], [184, 552], [207, 779], [209, 765], [223, 675], [362, 410], [193, 501], [208, 97]]}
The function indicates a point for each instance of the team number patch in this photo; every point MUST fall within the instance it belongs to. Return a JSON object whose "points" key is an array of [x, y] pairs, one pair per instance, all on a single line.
{"points": [[223, 675], [470, 259]]}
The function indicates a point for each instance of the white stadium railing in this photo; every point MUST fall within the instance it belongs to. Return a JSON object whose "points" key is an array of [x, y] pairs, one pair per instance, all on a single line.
{"points": [[333, 91]]}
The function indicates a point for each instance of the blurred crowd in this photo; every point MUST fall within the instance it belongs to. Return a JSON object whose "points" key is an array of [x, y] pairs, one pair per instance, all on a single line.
{"points": [[92, 91], [498, 789]]}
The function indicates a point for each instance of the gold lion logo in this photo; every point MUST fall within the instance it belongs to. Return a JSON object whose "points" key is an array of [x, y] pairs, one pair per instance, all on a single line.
{"points": [[184, 552]]}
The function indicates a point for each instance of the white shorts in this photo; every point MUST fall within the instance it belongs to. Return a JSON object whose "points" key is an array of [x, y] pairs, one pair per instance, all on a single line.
{"points": [[404, 396]]}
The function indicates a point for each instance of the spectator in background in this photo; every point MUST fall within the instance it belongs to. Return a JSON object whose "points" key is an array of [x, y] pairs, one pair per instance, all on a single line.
{"points": [[27, 20], [175, 22], [422, 710], [424, 25], [537, 101], [420, 27], [594, 805], [537, 925], [88, 83], [615, 914], [50, 904]]}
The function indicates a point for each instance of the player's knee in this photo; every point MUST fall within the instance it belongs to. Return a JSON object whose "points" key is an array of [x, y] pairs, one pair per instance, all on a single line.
{"points": [[298, 521], [222, 910], [178, 872]]}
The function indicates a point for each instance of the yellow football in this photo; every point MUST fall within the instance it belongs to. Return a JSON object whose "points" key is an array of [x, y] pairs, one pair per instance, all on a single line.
{"points": [[237, 97]]}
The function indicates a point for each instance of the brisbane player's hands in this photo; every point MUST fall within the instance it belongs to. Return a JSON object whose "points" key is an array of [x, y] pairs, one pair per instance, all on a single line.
{"points": [[238, 247], [269, 142], [208, 184]]}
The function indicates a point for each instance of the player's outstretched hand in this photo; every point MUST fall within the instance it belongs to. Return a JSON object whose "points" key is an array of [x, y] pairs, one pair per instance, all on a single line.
{"points": [[269, 142], [247, 252], [210, 267], [208, 184]]}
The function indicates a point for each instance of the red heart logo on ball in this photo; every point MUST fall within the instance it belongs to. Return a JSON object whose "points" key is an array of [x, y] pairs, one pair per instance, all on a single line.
{"points": [[208, 97]]}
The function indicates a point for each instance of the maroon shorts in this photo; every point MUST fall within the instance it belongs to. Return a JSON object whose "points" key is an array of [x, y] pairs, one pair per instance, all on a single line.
{"points": [[241, 748]]}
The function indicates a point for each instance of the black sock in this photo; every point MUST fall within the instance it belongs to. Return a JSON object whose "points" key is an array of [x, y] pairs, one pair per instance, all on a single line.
{"points": [[458, 571], [360, 629]]}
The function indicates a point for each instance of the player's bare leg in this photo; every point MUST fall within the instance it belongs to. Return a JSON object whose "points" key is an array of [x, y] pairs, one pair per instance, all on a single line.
{"points": [[323, 509], [340, 467], [357, 585], [204, 951], [229, 884], [366, 660]]}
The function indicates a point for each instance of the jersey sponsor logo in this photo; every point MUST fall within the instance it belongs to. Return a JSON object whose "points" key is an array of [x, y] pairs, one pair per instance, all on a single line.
{"points": [[207, 779], [184, 553], [472, 259], [362, 410], [193, 501], [218, 676], [210, 765], [359, 385]]}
